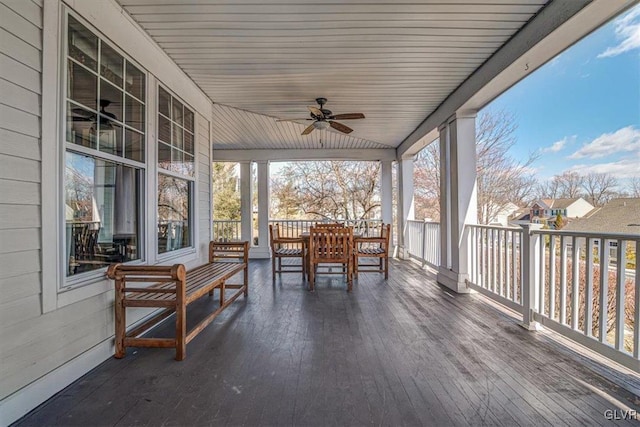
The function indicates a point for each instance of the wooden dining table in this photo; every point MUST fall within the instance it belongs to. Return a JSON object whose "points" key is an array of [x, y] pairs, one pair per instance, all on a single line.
{"points": [[305, 236]]}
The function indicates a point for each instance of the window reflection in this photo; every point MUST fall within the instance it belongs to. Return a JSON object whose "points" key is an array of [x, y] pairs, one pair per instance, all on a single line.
{"points": [[174, 199], [101, 212]]}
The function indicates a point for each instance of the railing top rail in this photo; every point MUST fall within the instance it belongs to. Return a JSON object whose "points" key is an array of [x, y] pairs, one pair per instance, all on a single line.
{"points": [[422, 221], [593, 234], [494, 227]]}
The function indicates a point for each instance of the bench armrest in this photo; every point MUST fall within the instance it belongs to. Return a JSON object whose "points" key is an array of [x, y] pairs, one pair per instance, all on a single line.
{"points": [[229, 250], [147, 273]]}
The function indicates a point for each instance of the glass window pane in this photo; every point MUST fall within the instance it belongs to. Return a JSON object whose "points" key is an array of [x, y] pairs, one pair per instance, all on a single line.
{"points": [[176, 141], [174, 201], [164, 156], [135, 84], [134, 145], [134, 113], [188, 165], [176, 111], [188, 120], [109, 136], [110, 100], [83, 45], [101, 213], [164, 129], [111, 65], [81, 126], [164, 102], [176, 160], [82, 86], [188, 142]]}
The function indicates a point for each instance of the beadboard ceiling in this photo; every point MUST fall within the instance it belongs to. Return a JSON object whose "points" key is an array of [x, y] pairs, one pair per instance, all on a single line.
{"points": [[259, 60]]}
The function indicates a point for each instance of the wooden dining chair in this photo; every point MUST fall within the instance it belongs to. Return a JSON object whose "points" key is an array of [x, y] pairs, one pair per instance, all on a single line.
{"points": [[328, 225], [330, 246], [286, 247], [372, 247]]}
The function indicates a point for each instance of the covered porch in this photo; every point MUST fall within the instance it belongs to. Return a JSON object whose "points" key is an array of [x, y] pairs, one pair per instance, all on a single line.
{"points": [[453, 337], [400, 352]]}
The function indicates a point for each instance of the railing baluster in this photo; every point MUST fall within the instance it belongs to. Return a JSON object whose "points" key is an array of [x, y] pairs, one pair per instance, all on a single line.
{"points": [[494, 260], [514, 270], [563, 280], [575, 281], [636, 314], [604, 288], [621, 263], [500, 263], [588, 290], [542, 275], [508, 263], [552, 276]]}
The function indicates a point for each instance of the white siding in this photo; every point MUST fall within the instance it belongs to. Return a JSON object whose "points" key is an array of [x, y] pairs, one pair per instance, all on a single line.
{"points": [[20, 68], [39, 344]]}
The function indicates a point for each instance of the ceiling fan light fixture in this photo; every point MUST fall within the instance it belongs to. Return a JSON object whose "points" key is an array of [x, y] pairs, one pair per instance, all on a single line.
{"points": [[321, 124]]}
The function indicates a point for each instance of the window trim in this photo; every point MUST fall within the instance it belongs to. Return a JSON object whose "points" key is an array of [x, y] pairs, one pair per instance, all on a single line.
{"points": [[192, 180], [95, 277]]}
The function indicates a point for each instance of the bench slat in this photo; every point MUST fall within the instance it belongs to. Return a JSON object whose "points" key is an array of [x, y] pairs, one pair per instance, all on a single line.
{"points": [[174, 289]]}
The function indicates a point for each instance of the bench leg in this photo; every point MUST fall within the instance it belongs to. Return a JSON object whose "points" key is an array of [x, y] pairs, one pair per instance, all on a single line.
{"points": [[221, 294], [246, 281], [181, 332], [121, 324]]}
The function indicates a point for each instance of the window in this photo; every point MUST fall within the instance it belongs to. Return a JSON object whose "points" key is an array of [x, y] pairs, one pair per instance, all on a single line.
{"points": [[176, 153], [105, 153]]}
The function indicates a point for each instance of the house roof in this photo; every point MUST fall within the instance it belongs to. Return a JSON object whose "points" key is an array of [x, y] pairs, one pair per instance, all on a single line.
{"points": [[618, 216], [560, 203]]}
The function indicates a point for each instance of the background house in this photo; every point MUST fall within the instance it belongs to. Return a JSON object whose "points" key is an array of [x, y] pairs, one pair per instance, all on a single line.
{"points": [[545, 211]]}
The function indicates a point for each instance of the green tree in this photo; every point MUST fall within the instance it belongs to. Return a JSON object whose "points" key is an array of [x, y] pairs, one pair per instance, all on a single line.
{"points": [[226, 194]]}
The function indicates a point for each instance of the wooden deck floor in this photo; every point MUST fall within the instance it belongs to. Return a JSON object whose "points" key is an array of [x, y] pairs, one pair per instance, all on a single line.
{"points": [[402, 352]]}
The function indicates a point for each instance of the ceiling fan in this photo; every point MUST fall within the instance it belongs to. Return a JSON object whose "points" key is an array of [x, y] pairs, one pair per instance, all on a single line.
{"points": [[324, 118], [82, 115]]}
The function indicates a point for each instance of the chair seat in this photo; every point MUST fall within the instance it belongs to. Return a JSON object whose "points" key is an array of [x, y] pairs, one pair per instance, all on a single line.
{"points": [[371, 251], [289, 251]]}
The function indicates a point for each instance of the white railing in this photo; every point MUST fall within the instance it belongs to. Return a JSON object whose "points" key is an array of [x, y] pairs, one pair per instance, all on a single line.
{"points": [[422, 242], [293, 227], [229, 230], [586, 287], [226, 230], [582, 285], [495, 263]]}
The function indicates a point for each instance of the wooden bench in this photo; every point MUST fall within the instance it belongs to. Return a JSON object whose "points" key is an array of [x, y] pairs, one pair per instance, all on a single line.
{"points": [[174, 289]]}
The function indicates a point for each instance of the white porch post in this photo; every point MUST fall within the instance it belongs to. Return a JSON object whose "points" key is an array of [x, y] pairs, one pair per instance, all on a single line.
{"points": [[531, 284], [386, 191], [262, 249], [246, 227], [458, 199], [405, 201]]}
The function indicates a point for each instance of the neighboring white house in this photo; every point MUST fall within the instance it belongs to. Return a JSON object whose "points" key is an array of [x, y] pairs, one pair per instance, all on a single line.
{"points": [[502, 215], [545, 211]]}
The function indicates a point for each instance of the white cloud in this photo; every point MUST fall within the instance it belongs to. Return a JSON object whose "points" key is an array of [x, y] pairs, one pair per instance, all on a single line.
{"points": [[559, 145], [623, 140], [627, 29], [627, 168]]}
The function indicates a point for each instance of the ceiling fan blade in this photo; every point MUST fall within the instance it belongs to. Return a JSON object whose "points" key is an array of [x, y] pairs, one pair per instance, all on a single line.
{"points": [[292, 120], [308, 130], [316, 111], [340, 127], [348, 116]]}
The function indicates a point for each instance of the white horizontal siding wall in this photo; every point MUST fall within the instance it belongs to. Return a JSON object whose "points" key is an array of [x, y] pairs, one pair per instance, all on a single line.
{"points": [[43, 348]]}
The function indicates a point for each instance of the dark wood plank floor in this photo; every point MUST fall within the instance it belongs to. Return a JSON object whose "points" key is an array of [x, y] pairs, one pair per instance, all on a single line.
{"points": [[402, 352]]}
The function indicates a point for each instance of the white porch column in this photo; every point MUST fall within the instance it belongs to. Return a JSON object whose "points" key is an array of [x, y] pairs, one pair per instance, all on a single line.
{"points": [[458, 198], [405, 201], [246, 228], [262, 249], [386, 191]]}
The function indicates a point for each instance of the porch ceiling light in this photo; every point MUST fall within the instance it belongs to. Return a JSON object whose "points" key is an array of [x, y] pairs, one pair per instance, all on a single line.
{"points": [[321, 124]]}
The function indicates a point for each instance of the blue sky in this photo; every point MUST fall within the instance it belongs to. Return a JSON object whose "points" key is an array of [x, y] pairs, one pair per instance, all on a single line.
{"points": [[581, 111]]}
